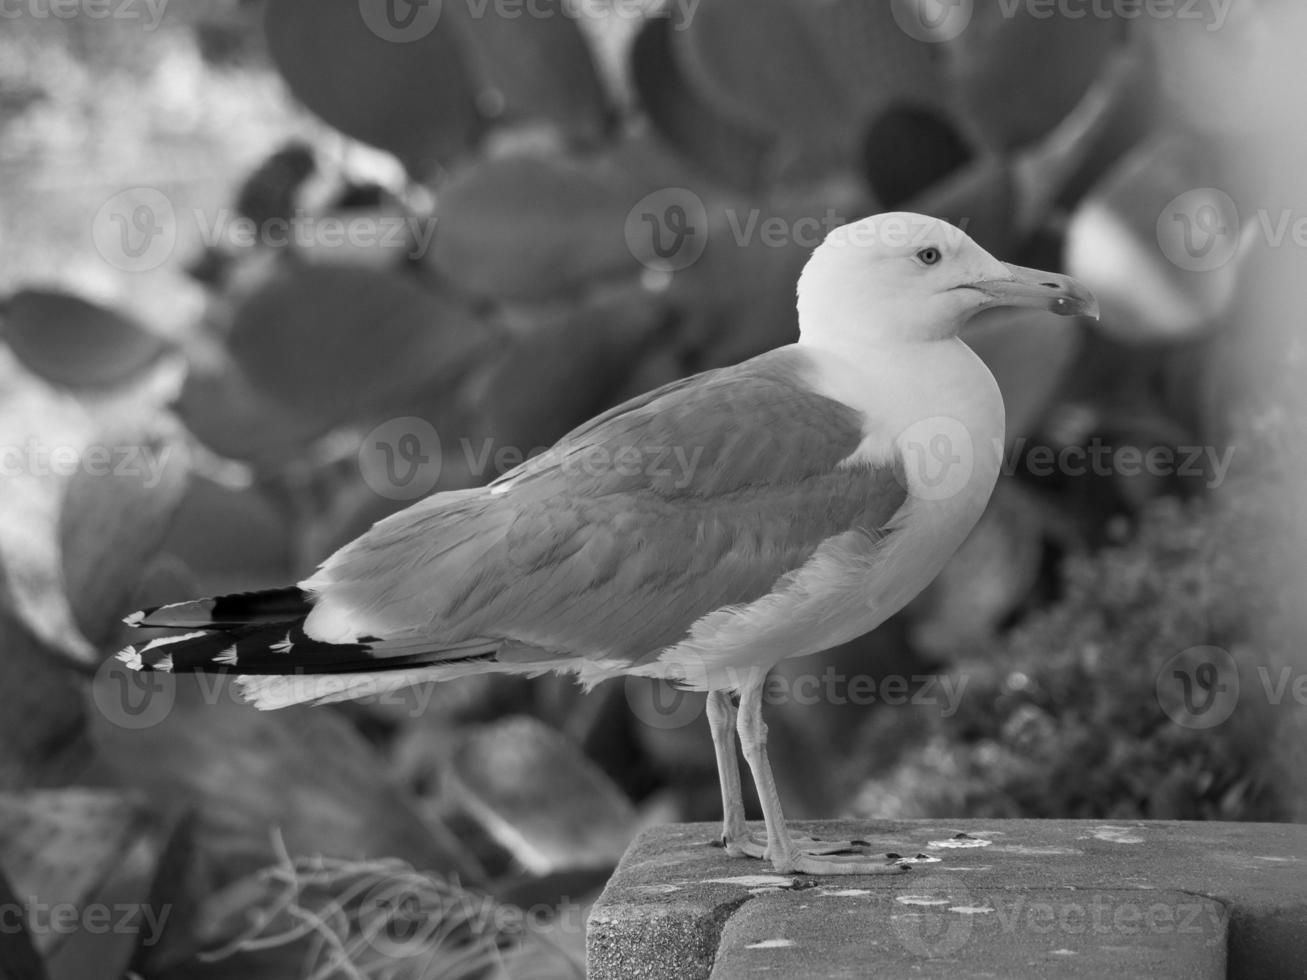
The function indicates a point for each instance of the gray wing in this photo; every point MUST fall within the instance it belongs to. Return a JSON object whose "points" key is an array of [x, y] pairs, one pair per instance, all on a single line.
{"points": [[699, 495]]}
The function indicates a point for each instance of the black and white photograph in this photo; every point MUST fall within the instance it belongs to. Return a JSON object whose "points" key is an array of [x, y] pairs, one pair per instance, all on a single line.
{"points": [[653, 489]]}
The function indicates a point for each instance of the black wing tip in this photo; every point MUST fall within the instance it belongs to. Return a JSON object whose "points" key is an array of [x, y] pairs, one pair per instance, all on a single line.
{"points": [[263, 649], [191, 614], [134, 659], [285, 604]]}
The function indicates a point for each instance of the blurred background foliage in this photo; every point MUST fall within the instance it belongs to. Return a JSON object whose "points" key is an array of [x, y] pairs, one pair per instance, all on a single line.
{"points": [[522, 154]]}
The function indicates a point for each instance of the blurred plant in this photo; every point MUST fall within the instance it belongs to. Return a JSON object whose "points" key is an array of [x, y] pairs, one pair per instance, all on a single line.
{"points": [[363, 919], [66, 849], [1072, 714]]}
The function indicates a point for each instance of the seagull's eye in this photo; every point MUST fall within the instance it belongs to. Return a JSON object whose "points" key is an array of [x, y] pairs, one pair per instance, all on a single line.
{"points": [[929, 255]]}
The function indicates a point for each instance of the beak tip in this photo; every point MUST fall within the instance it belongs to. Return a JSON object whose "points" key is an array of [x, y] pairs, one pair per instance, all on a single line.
{"points": [[1084, 305], [1088, 304], [1051, 291]]}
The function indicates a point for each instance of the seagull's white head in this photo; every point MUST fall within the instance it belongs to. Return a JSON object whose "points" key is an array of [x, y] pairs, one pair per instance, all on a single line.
{"points": [[909, 278]]}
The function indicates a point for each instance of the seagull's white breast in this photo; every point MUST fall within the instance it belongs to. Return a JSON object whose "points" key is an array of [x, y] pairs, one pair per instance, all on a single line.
{"points": [[935, 411]]}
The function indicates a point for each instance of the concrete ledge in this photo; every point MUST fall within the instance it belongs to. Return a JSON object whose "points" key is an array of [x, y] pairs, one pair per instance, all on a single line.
{"points": [[1014, 898]]}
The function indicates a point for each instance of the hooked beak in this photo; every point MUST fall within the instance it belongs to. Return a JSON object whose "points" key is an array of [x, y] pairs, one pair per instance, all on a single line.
{"points": [[1040, 290]]}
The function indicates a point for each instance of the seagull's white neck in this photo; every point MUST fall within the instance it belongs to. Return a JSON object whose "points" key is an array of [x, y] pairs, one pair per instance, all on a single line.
{"points": [[907, 389], [856, 342], [838, 315]]}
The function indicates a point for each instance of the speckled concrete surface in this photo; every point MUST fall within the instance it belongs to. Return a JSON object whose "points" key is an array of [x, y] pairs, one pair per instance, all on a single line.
{"points": [[1011, 899]]}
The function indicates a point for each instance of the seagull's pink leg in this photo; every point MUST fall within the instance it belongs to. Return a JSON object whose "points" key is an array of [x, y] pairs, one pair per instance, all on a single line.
{"points": [[721, 722], [736, 838], [786, 854]]}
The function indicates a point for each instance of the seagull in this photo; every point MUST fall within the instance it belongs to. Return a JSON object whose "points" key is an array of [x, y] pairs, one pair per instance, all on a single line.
{"points": [[699, 534]]}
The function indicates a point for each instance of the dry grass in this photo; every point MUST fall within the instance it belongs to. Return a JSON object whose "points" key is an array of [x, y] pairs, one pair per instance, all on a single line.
{"points": [[369, 919]]}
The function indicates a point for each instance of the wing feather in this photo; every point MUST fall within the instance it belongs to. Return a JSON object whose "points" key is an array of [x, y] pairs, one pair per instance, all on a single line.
{"points": [[698, 496]]}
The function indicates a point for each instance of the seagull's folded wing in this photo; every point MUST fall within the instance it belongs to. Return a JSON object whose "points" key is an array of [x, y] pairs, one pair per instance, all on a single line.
{"points": [[700, 495]]}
